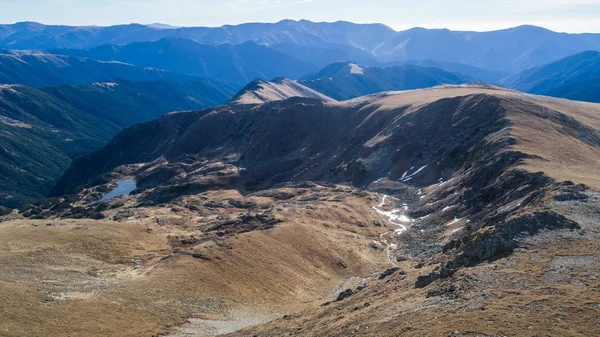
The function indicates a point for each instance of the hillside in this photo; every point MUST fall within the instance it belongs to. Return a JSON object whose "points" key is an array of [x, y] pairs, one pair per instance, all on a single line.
{"points": [[377, 215], [279, 89], [334, 120], [347, 80], [40, 69], [508, 51], [575, 77], [44, 129], [238, 64]]}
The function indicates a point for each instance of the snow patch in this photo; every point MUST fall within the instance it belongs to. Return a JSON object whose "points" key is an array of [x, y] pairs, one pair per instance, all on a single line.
{"points": [[447, 208], [106, 84], [356, 69], [393, 216], [406, 177]]}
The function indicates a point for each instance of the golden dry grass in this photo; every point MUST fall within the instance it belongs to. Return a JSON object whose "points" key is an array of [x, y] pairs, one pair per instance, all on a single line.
{"points": [[102, 278]]}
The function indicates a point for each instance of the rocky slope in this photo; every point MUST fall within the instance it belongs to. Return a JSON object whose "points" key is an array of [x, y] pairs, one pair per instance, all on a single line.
{"points": [[308, 139], [457, 210]]}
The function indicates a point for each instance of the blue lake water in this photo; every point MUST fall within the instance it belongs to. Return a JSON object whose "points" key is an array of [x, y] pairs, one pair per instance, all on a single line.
{"points": [[124, 187]]}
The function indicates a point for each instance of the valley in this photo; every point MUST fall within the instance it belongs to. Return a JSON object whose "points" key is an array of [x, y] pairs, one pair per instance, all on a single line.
{"points": [[160, 267], [42, 130], [298, 178]]}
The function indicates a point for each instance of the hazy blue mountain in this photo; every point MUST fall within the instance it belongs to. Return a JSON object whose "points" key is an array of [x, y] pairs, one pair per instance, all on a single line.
{"points": [[584, 90], [327, 53], [345, 80], [575, 77], [42, 130], [40, 69], [507, 51], [324, 42], [162, 26], [237, 64], [475, 73], [31, 35]]}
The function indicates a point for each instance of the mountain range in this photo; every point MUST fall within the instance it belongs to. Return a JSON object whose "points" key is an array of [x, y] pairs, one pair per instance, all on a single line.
{"points": [[298, 179], [346, 80], [510, 50], [238, 64], [39, 69], [102, 105]]}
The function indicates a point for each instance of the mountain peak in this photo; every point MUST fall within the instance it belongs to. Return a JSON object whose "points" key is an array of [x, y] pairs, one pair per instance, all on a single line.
{"points": [[260, 91]]}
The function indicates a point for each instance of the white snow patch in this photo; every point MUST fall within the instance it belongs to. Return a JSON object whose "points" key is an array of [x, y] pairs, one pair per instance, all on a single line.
{"points": [[356, 69], [106, 84], [420, 169], [404, 175], [299, 173], [447, 208], [393, 217], [453, 221], [406, 178]]}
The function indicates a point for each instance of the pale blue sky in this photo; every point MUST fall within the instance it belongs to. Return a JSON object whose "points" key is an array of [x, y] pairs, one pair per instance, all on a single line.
{"points": [[559, 15]]}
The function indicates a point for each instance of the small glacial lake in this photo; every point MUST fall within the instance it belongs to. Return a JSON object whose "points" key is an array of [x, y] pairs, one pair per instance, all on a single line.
{"points": [[124, 187]]}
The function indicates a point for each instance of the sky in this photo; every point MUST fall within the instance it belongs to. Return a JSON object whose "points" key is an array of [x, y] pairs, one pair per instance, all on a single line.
{"points": [[573, 16]]}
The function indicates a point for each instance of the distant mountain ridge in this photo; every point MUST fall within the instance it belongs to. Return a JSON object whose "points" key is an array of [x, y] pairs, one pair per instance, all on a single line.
{"points": [[575, 77], [41, 69], [237, 64], [42, 130], [347, 80], [508, 50]]}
